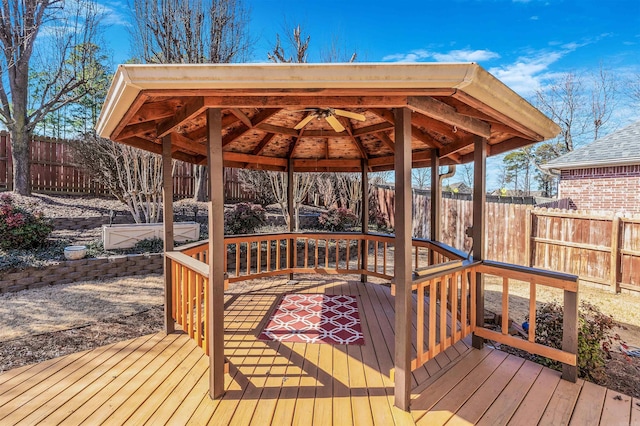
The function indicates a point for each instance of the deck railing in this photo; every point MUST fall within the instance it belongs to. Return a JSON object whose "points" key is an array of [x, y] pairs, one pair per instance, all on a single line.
{"points": [[444, 283], [568, 283], [189, 289]]}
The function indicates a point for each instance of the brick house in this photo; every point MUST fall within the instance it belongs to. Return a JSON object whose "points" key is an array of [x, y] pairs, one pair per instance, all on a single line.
{"points": [[603, 175]]}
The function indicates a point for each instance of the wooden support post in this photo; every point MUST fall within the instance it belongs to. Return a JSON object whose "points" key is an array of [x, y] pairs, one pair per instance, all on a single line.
{"points": [[402, 258], [167, 227], [436, 202], [365, 217], [216, 255], [570, 333], [479, 199], [290, 207], [615, 260]]}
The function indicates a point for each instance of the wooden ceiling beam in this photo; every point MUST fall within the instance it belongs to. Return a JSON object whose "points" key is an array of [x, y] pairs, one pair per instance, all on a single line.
{"points": [[509, 145], [501, 118], [147, 145], [184, 143], [137, 129], [442, 112], [349, 129], [311, 101], [128, 117], [257, 122], [191, 109], [374, 128], [455, 147], [241, 116], [385, 139], [280, 130], [263, 143], [324, 163], [255, 159], [234, 134]]}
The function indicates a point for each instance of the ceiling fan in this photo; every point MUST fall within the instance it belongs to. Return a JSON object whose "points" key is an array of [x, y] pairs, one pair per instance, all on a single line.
{"points": [[329, 114]]}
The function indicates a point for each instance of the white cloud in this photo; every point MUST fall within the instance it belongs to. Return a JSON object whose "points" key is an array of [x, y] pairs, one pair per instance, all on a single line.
{"points": [[528, 74], [112, 14], [461, 55], [534, 18]]}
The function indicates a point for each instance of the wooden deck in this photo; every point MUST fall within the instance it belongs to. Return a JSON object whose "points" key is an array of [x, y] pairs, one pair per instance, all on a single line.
{"points": [[160, 379]]}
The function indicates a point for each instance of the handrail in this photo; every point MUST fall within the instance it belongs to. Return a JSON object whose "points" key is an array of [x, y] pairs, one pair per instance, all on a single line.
{"points": [[568, 283]]}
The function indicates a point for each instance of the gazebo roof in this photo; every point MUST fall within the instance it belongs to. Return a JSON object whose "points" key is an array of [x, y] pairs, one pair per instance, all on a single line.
{"points": [[262, 103]]}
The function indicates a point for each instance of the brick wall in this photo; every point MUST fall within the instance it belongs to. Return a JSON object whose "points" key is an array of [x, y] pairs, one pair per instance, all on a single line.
{"points": [[84, 269], [603, 188]]}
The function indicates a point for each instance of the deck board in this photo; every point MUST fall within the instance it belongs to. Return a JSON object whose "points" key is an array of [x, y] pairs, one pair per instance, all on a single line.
{"points": [[160, 379]]}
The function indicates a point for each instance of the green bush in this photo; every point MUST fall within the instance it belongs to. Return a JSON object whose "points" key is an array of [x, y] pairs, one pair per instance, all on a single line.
{"points": [[244, 218], [338, 219], [20, 228], [595, 336], [149, 245]]}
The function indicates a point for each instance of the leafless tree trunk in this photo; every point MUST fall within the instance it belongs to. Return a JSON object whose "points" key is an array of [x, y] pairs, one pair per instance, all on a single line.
{"points": [[191, 32], [350, 191], [421, 177], [581, 108], [61, 77], [326, 184]]}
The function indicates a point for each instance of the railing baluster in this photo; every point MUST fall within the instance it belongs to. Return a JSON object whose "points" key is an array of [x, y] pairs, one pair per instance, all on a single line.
{"points": [[337, 253], [348, 249], [326, 254], [384, 259], [505, 305], [464, 282], [278, 259], [199, 291], [454, 307], [443, 313], [259, 257], [472, 318], [192, 301], [375, 256], [306, 253], [432, 317], [237, 271], [416, 248], [532, 312], [420, 323], [317, 243], [185, 297], [268, 255], [205, 328]]}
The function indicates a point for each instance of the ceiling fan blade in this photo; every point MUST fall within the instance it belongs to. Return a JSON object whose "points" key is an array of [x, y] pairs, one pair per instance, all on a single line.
{"points": [[304, 121], [333, 121], [349, 114]]}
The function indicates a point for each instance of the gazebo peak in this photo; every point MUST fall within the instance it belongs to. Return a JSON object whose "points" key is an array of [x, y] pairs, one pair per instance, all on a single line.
{"points": [[262, 104]]}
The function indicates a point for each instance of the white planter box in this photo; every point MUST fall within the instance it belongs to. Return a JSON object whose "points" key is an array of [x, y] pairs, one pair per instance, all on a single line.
{"points": [[126, 236]]}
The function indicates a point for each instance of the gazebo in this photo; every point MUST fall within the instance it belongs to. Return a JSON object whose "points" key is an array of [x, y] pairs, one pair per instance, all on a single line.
{"points": [[344, 118]]}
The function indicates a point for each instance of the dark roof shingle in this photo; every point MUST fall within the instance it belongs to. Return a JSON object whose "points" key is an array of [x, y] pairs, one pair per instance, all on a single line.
{"points": [[618, 148]]}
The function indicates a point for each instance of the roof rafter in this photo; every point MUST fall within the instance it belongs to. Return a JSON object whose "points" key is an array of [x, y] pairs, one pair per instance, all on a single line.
{"points": [[440, 111]]}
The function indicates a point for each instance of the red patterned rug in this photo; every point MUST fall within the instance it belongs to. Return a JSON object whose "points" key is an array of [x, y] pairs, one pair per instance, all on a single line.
{"points": [[315, 318]]}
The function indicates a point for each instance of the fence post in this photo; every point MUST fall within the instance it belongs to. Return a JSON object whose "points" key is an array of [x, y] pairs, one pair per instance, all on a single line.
{"points": [[570, 333], [528, 228], [615, 247]]}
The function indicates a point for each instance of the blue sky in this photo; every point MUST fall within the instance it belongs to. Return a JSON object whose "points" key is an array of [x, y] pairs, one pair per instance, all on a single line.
{"points": [[525, 43]]}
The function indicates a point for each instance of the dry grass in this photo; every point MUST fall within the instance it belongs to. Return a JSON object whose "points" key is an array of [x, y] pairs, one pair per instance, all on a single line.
{"points": [[67, 306]]}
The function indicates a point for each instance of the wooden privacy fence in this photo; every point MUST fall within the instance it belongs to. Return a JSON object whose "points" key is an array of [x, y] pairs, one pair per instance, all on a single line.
{"points": [[604, 249], [598, 247], [53, 170]]}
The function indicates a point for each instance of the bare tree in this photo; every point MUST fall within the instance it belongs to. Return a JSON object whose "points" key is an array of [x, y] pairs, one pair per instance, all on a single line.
{"points": [[421, 177], [38, 36], [634, 90], [581, 107], [302, 183], [132, 175], [350, 187], [326, 184], [296, 42], [191, 32]]}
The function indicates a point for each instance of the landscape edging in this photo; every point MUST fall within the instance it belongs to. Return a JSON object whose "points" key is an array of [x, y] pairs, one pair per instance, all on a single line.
{"points": [[83, 269]]}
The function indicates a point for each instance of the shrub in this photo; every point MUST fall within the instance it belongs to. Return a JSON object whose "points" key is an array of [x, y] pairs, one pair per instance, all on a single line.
{"points": [[595, 336], [243, 218], [338, 219], [149, 245], [20, 228]]}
